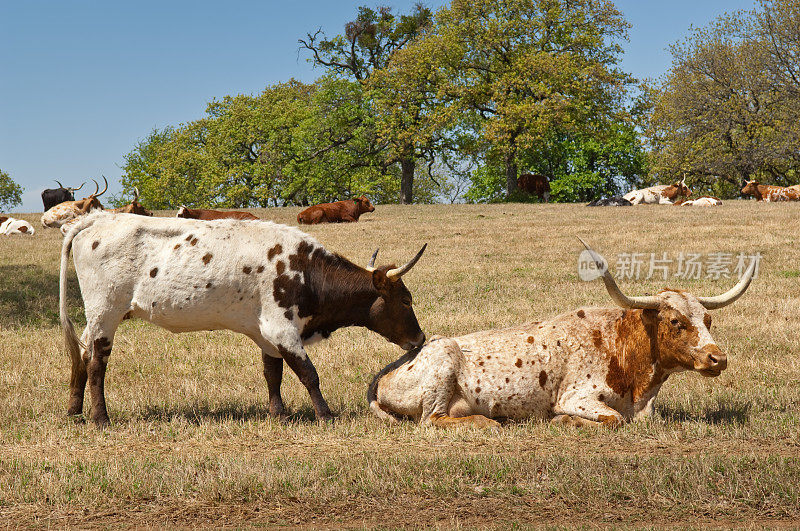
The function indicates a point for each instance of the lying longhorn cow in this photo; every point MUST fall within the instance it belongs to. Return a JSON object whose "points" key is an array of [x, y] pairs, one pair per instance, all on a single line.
{"points": [[585, 367], [209, 215], [769, 193], [134, 207], [661, 194], [272, 283], [54, 196], [65, 212], [10, 226]]}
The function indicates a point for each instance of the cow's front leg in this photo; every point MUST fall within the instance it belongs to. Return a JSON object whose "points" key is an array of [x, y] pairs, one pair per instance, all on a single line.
{"points": [[298, 361], [273, 373], [588, 413]]}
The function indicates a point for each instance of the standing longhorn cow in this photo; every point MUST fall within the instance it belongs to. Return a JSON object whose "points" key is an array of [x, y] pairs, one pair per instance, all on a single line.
{"points": [[53, 196], [65, 212], [585, 367], [272, 283]]}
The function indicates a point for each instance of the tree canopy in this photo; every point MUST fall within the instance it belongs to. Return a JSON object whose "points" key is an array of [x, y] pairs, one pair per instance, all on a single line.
{"points": [[10, 192]]}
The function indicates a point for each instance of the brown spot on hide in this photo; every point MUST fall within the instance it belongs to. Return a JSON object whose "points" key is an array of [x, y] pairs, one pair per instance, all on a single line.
{"points": [[154, 304], [207, 258], [95, 244], [246, 270], [300, 260], [507, 380], [530, 339], [581, 314], [588, 376], [153, 272], [542, 378], [480, 363], [488, 357], [477, 390], [707, 320], [479, 381], [189, 237], [276, 250], [280, 267], [193, 242], [102, 346], [597, 338], [260, 269], [601, 397], [518, 363], [558, 343], [208, 285], [177, 246], [289, 315], [410, 366], [23, 229]]}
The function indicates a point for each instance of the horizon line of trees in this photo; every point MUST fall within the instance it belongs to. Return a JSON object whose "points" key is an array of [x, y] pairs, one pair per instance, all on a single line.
{"points": [[424, 107]]}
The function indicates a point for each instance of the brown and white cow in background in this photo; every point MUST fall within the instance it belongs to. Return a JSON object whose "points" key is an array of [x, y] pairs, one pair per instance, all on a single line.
{"points": [[67, 211], [337, 212], [535, 184], [769, 193], [208, 215], [662, 194], [272, 283], [134, 207], [10, 226], [585, 367]]}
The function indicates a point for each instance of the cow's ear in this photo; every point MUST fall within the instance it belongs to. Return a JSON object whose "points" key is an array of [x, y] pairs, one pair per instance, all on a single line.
{"points": [[380, 280]]}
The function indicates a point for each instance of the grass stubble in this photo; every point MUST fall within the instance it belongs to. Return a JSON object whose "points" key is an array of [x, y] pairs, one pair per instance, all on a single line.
{"points": [[191, 442]]}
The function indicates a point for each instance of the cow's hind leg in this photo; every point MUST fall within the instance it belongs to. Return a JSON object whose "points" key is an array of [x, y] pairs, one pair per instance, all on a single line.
{"points": [[98, 339], [77, 382]]}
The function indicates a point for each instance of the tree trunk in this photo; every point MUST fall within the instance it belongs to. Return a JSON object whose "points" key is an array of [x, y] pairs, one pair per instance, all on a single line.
{"points": [[407, 166], [511, 176]]}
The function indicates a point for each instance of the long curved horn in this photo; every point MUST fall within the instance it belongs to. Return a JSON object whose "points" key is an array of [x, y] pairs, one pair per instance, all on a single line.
{"points": [[643, 303], [371, 263], [59, 184], [96, 188], [104, 189], [136, 191], [395, 274], [720, 301], [78, 188]]}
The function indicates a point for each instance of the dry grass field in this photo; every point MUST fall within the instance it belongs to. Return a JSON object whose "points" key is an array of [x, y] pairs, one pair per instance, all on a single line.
{"points": [[191, 443]]}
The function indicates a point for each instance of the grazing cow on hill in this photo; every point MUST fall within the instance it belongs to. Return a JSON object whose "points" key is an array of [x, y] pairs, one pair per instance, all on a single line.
{"points": [[591, 366], [535, 184], [208, 215], [272, 283], [53, 196], [610, 201], [134, 207], [337, 212], [9, 226], [661, 194], [63, 213], [704, 201], [769, 193]]}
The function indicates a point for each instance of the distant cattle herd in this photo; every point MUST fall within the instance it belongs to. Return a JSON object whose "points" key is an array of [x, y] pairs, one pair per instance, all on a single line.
{"points": [[284, 290]]}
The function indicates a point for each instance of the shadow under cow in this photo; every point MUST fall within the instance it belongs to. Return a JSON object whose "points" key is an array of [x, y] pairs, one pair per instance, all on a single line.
{"points": [[723, 414]]}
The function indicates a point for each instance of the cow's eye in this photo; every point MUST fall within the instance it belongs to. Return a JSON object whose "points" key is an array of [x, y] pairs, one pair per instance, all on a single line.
{"points": [[675, 322], [407, 302]]}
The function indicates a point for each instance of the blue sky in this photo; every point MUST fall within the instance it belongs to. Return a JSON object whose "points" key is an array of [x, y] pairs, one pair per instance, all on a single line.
{"points": [[82, 81]]}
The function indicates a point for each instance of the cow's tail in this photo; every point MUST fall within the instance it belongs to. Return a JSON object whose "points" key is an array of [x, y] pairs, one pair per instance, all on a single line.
{"points": [[372, 390], [71, 341]]}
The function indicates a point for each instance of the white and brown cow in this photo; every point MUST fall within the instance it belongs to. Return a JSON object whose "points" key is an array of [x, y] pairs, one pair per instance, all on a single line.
{"points": [[662, 194], [704, 201], [134, 207], [272, 283], [65, 212], [770, 193], [10, 226], [586, 367]]}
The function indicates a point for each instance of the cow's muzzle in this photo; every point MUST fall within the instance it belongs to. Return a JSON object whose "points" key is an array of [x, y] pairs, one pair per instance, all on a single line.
{"points": [[712, 361], [416, 343]]}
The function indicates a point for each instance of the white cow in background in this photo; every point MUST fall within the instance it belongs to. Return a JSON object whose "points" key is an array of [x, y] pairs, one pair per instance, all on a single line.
{"points": [[9, 226]]}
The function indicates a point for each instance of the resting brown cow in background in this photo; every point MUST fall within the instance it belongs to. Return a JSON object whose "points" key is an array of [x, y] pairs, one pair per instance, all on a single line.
{"points": [[134, 207], [338, 212], [208, 215], [531, 183], [769, 193]]}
